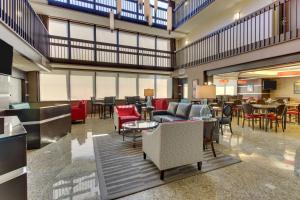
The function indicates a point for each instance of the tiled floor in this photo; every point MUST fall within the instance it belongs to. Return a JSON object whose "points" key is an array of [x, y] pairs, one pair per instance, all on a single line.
{"points": [[271, 162]]}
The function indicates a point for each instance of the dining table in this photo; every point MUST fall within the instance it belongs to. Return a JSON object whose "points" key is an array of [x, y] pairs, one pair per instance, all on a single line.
{"points": [[265, 110]]}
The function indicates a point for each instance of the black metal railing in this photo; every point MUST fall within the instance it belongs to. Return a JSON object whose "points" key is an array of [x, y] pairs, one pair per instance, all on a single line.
{"points": [[274, 24], [131, 10], [22, 19], [186, 9], [69, 50]]}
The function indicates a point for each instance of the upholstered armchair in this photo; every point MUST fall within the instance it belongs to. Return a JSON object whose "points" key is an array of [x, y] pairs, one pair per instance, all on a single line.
{"points": [[79, 111], [174, 144], [125, 113]]}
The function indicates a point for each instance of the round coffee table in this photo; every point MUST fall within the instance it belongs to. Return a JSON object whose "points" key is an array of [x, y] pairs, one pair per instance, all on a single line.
{"points": [[134, 129]]}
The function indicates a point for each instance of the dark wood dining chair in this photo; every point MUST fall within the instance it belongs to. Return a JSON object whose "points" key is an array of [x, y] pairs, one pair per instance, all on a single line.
{"points": [[248, 114], [278, 116], [209, 128], [294, 112], [226, 118]]}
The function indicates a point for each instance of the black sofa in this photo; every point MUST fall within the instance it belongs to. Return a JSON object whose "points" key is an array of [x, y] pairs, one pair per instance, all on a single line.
{"points": [[177, 112]]}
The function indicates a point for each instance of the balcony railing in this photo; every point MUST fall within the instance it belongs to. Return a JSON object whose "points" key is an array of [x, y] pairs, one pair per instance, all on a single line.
{"points": [[77, 51], [274, 24], [21, 18], [131, 11], [186, 9]]}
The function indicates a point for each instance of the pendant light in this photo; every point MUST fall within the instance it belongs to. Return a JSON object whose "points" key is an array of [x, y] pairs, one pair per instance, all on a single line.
{"points": [[150, 18], [119, 7], [147, 8], [169, 19], [112, 20], [155, 5]]}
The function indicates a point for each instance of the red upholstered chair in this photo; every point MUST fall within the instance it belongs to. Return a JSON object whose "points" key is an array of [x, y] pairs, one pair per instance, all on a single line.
{"points": [[125, 113], [79, 111], [160, 104], [249, 115]]}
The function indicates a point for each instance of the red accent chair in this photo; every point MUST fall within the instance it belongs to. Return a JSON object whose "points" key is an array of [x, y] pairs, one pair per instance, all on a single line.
{"points": [[294, 112], [79, 111], [160, 104], [125, 113]]}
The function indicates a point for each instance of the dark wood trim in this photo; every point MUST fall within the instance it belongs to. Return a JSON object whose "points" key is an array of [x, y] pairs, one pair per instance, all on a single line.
{"points": [[114, 65]]}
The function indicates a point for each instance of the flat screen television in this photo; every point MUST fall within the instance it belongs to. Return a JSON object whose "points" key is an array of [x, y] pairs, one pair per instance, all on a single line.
{"points": [[6, 58], [269, 85]]}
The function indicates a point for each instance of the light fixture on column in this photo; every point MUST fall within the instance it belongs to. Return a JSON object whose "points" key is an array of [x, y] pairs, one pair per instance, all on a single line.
{"points": [[112, 20], [140, 2], [147, 8], [155, 5], [150, 18], [119, 7], [170, 19]]}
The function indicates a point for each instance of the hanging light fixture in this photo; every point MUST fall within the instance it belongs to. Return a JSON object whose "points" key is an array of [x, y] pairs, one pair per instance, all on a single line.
{"points": [[150, 18], [170, 19], [147, 8], [119, 7], [155, 5], [140, 2], [112, 20]]}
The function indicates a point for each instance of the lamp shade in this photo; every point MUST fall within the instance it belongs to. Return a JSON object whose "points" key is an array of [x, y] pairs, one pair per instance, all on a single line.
{"points": [[206, 92], [148, 92]]}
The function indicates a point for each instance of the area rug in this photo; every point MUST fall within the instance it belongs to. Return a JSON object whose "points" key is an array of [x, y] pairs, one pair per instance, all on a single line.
{"points": [[123, 171]]}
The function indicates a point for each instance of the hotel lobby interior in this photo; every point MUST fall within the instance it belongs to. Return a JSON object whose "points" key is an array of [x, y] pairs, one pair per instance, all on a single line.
{"points": [[149, 99]]}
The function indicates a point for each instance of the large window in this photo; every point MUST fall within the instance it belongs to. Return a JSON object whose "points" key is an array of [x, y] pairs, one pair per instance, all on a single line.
{"points": [[81, 85], [53, 86], [127, 85], [58, 28], [163, 87], [106, 85], [145, 82]]}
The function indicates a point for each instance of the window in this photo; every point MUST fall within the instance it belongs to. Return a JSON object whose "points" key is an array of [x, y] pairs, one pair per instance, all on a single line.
{"points": [[145, 82], [163, 87], [58, 28], [106, 35], [163, 44], [81, 31], [185, 91], [147, 42], [81, 85], [127, 85], [128, 39], [106, 85], [53, 86], [15, 88]]}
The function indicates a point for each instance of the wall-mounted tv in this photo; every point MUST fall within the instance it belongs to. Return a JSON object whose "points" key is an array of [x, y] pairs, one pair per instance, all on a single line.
{"points": [[269, 85], [6, 58]]}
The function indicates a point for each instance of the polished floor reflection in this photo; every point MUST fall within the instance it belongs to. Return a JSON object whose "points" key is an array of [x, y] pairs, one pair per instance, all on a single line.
{"points": [[270, 168]]}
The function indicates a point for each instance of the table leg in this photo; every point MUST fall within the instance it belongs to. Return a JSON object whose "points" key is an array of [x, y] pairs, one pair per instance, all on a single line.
{"points": [[238, 117]]}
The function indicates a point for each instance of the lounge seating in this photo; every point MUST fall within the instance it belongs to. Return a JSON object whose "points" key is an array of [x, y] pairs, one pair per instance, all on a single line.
{"points": [[174, 144], [125, 113], [79, 111], [177, 112]]}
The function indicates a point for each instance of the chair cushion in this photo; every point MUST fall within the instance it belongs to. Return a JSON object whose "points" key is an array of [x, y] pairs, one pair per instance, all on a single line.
{"points": [[172, 108], [167, 118], [183, 110]]}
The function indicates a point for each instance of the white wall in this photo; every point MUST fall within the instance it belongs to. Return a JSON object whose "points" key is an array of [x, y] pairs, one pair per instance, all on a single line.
{"points": [[285, 88]]}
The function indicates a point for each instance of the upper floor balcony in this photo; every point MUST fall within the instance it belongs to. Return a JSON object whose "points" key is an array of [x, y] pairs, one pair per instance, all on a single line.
{"points": [[19, 16], [88, 44], [186, 9], [274, 24]]}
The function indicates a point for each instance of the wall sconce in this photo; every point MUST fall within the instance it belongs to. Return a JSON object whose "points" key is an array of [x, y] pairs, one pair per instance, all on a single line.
{"points": [[237, 16]]}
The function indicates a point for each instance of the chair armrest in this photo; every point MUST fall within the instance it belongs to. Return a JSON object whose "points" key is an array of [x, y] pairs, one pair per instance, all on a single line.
{"points": [[160, 112]]}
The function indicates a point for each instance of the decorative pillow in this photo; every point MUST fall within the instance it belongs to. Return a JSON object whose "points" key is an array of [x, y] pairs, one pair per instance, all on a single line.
{"points": [[195, 111], [183, 110], [172, 108]]}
